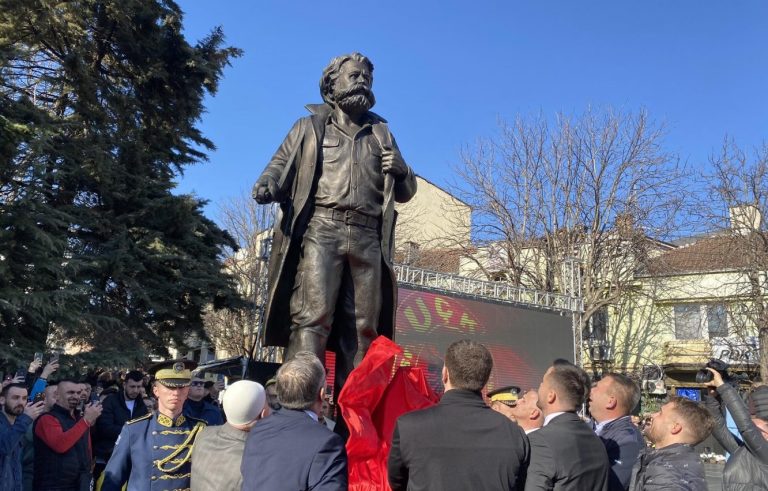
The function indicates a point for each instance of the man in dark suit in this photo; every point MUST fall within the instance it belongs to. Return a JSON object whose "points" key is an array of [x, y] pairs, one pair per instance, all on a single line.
{"points": [[565, 453], [291, 450], [611, 401], [461, 443]]}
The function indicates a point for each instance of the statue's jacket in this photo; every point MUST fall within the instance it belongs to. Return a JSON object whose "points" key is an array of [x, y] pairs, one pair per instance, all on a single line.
{"points": [[295, 168]]}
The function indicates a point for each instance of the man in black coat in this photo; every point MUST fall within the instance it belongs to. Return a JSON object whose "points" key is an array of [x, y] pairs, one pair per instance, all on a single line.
{"points": [[461, 443], [610, 403], [565, 453], [117, 409], [197, 407], [747, 467], [674, 465]]}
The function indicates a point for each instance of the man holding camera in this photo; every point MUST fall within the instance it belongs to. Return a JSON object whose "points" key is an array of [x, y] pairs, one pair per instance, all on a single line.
{"points": [[747, 468]]}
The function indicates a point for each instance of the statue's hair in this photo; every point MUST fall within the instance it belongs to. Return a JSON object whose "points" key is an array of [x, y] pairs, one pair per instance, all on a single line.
{"points": [[331, 72]]}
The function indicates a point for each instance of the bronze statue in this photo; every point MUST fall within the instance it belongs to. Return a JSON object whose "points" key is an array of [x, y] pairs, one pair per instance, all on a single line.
{"points": [[336, 176]]}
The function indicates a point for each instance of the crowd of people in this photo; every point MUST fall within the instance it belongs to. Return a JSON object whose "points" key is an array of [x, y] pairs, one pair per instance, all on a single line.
{"points": [[169, 429], [60, 434]]}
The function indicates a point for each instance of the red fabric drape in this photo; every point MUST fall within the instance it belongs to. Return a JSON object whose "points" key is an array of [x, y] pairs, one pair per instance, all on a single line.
{"points": [[374, 396]]}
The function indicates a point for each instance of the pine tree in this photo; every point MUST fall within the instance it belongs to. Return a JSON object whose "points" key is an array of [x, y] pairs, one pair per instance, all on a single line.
{"points": [[100, 105]]}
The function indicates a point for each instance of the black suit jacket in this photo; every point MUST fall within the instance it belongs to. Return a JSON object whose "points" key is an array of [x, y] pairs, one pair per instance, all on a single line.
{"points": [[460, 444], [290, 451], [567, 455], [114, 414]]}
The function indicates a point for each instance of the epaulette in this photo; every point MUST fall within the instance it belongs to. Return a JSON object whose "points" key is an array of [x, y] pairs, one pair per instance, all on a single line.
{"points": [[197, 420], [140, 418]]}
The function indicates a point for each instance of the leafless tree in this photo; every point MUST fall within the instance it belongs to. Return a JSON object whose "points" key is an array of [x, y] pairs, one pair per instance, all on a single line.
{"points": [[598, 187], [738, 197], [429, 227], [637, 325], [235, 330]]}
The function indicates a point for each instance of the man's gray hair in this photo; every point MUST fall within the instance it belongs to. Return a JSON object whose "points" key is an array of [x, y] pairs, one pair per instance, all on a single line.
{"points": [[299, 381], [331, 72]]}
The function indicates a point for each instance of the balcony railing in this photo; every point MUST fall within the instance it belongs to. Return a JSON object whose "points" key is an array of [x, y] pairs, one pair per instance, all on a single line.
{"points": [[487, 290]]}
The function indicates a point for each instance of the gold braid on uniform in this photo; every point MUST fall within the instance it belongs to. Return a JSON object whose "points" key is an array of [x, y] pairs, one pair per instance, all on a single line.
{"points": [[187, 443]]}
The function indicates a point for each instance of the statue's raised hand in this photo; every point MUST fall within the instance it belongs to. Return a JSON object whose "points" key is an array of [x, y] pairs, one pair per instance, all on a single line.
{"points": [[265, 190]]}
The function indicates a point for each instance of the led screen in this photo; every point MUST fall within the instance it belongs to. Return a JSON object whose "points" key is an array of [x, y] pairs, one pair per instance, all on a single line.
{"points": [[523, 341]]}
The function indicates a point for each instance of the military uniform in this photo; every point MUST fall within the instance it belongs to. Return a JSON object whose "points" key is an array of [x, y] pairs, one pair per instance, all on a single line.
{"points": [[508, 395], [153, 452]]}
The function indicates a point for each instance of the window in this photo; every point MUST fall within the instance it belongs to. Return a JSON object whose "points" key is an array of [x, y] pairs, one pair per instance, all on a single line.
{"points": [[717, 321], [411, 252], [499, 276], [699, 321], [688, 321], [599, 322]]}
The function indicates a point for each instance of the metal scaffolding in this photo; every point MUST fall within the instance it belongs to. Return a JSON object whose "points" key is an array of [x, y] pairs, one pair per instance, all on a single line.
{"points": [[487, 290]]}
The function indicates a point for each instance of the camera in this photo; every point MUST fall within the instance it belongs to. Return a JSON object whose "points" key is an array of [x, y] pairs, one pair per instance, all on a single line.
{"points": [[704, 376]]}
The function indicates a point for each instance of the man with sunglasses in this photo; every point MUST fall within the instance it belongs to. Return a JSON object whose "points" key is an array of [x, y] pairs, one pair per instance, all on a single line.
{"points": [[196, 405]]}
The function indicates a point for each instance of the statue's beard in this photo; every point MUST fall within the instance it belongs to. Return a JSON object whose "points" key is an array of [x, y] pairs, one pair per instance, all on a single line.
{"points": [[357, 99]]}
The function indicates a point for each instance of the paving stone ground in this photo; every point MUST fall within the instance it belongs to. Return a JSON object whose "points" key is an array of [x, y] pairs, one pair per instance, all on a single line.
{"points": [[714, 476]]}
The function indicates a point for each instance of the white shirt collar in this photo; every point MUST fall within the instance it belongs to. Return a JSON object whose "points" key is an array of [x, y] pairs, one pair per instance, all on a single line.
{"points": [[550, 417], [311, 414], [599, 426], [531, 430]]}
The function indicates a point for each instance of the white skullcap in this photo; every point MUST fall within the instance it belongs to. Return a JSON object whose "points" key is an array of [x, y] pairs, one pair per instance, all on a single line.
{"points": [[243, 401]]}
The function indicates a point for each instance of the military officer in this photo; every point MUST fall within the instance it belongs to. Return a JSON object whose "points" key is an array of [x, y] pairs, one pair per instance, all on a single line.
{"points": [[153, 452], [504, 399]]}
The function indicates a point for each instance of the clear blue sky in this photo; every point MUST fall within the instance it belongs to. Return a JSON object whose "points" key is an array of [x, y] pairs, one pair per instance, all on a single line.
{"points": [[446, 71]]}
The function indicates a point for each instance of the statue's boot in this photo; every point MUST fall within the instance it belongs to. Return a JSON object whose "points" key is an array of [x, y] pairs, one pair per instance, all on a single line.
{"points": [[306, 340]]}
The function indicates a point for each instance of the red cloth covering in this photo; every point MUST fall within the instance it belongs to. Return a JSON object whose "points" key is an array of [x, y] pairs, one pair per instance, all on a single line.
{"points": [[374, 396]]}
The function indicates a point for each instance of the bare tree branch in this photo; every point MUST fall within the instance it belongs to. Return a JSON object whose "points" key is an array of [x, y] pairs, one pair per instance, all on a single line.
{"points": [[598, 187]]}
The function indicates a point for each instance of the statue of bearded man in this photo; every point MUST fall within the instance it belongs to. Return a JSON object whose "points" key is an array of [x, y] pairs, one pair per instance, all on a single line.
{"points": [[336, 176]]}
